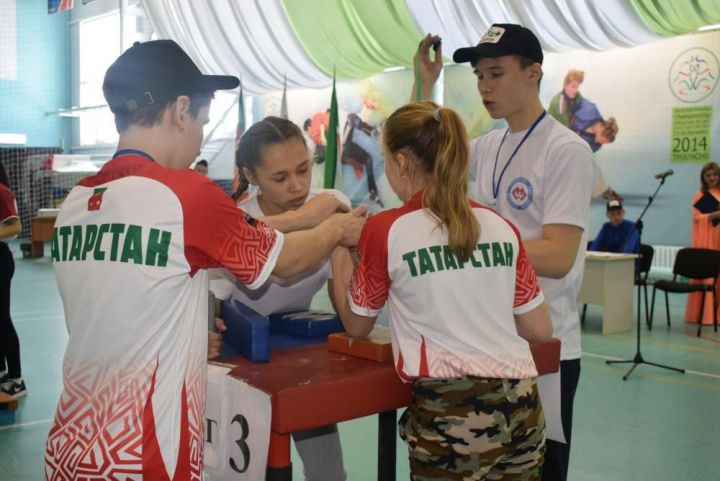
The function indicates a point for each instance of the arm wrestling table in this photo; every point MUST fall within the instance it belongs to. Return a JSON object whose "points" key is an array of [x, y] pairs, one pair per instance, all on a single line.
{"points": [[311, 387]]}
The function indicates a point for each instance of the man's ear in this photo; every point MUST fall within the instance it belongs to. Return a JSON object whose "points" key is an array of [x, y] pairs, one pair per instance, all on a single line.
{"points": [[534, 72], [181, 112]]}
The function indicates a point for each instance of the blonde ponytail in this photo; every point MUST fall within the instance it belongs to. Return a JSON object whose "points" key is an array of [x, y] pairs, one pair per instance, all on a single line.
{"points": [[437, 138]]}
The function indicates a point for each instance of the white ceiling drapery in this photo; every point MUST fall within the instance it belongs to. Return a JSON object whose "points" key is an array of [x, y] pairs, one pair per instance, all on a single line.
{"points": [[254, 40], [561, 25], [251, 39]]}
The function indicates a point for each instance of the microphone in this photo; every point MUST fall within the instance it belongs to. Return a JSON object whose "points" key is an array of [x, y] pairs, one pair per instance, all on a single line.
{"points": [[662, 175]]}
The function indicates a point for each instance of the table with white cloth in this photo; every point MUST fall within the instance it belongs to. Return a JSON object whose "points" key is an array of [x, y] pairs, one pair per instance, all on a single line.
{"points": [[608, 281]]}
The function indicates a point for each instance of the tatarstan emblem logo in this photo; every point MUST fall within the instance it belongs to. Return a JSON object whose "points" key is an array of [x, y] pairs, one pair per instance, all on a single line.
{"points": [[95, 200], [520, 193]]}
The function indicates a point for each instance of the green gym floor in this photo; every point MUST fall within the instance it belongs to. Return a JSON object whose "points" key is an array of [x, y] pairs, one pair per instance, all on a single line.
{"points": [[656, 426]]}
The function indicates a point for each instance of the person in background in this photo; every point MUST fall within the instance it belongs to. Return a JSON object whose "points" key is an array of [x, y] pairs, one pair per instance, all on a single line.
{"points": [[131, 248], [618, 234], [564, 104], [463, 304], [592, 127], [11, 381], [273, 156], [580, 115], [706, 236], [201, 166], [319, 124], [539, 175]]}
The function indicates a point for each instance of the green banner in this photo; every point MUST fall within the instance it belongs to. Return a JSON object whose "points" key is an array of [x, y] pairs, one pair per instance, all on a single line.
{"points": [[691, 134], [333, 142], [355, 38], [675, 17]]}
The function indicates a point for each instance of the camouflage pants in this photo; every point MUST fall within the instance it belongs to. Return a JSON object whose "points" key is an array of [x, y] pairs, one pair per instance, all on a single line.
{"points": [[474, 429]]}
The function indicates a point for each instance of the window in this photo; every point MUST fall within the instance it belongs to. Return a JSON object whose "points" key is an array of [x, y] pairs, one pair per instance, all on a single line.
{"points": [[99, 44]]}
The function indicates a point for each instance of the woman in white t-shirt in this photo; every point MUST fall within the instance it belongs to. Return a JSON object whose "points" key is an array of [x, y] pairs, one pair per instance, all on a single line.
{"points": [[273, 156], [463, 303]]}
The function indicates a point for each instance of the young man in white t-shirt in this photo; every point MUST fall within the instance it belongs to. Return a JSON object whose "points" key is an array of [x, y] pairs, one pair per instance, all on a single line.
{"points": [[130, 249], [539, 175]]}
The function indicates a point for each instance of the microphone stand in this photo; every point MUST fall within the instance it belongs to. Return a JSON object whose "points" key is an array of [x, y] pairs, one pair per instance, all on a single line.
{"points": [[638, 359]]}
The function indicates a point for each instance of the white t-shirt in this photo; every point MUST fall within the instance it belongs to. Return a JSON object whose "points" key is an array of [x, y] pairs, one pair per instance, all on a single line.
{"points": [[276, 294], [549, 181], [130, 248], [447, 318]]}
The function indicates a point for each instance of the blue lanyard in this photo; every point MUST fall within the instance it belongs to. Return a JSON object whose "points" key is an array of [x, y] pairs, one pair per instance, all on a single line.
{"points": [[133, 152], [496, 187]]}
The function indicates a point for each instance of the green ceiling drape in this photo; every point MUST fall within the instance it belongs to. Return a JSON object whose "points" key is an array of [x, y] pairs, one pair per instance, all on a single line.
{"points": [[266, 41], [675, 17], [359, 38]]}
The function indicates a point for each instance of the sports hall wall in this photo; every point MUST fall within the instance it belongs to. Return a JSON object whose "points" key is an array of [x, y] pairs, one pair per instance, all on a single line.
{"points": [[34, 72], [641, 87]]}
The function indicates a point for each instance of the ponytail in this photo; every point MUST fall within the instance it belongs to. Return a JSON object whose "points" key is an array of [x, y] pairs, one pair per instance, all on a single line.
{"points": [[437, 137], [243, 183]]}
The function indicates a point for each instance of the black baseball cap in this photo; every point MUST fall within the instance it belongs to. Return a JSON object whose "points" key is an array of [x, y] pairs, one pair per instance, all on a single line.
{"points": [[614, 205], [502, 39], [156, 72]]}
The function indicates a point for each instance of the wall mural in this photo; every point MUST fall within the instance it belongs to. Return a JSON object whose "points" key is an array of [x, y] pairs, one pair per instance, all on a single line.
{"points": [[641, 110]]}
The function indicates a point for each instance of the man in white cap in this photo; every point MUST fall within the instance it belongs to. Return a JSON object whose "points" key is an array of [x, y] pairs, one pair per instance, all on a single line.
{"points": [[617, 234], [539, 175]]}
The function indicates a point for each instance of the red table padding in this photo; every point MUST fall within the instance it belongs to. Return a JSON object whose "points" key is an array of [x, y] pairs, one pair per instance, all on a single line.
{"points": [[311, 387], [546, 356]]}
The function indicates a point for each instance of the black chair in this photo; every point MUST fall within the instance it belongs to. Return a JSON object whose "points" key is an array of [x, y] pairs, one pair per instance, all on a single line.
{"points": [[697, 264]]}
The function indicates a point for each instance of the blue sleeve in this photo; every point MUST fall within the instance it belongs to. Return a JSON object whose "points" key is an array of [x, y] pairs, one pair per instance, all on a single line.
{"points": [[601, 238], [632, 244]]}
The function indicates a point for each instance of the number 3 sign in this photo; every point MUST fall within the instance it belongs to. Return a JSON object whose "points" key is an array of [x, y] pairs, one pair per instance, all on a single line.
{"points": [[237, 428]]}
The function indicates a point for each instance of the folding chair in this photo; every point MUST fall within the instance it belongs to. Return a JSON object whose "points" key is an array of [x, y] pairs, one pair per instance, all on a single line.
{"points": [[693, 263]]}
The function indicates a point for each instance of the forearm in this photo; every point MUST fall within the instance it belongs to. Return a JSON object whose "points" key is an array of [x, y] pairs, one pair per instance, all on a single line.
{"points": [[550, 258], [554, 254], [355, 325], [425, 91], [9, 229], [288, 221], [305, 249], [340, 272], [535, 326]]}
